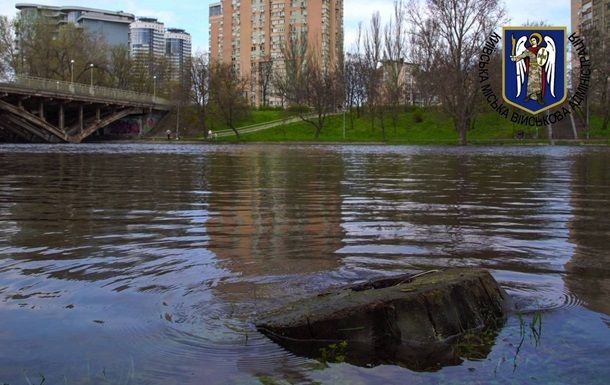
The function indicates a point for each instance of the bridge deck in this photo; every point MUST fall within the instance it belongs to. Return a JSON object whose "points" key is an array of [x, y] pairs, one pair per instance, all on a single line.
{"points": [[45, 110], [26, 85]]}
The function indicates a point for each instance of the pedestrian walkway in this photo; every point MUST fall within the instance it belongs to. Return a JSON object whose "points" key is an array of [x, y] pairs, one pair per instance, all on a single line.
{"points": [[256, 127]]}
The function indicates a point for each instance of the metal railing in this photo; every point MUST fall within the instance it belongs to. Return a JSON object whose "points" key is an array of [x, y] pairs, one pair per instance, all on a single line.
{"points": [[79, 89]]}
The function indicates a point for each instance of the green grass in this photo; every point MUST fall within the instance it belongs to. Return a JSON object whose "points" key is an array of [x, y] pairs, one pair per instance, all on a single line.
{"points": [[255, 117], [596, 131], [434, 128]]}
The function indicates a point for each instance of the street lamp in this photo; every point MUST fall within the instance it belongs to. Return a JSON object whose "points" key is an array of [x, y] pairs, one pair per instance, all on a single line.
{"points": [[91, 69], [344, 108], [154, 86], [72, 71]]}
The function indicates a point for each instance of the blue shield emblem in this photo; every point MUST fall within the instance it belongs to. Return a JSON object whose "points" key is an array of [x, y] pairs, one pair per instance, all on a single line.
{"points": [[534, 67]]}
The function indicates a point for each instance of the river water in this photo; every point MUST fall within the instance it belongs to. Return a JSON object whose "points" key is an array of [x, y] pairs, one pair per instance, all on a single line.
{"points": [[148, 264]]}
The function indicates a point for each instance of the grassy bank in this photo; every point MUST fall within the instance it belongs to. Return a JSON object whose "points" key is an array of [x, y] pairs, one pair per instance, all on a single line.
{"points": [[413, 127], [191, 129]]}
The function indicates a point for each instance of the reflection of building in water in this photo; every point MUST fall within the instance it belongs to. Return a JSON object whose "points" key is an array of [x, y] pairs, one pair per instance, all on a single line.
{"points": [[589, 269], [275, 212]]}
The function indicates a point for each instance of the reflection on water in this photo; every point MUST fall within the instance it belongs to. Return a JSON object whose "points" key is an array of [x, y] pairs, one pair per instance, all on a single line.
{"points": [[147, 264], [428, 357], [589, 231]]}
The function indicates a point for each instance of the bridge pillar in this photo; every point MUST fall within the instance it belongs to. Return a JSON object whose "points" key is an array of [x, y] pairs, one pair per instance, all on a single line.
{"points": [[80, 117], [41, 110], [98, 114], [61, 117]]}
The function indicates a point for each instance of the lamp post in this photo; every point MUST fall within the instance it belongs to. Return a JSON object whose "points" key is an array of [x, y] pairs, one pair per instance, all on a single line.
{"points": [[91, 69], [154, 87], [72, 71], [344, 108]]}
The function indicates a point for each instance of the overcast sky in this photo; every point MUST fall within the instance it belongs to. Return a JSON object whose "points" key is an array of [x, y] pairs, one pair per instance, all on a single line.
{"points": [[192, 15]]}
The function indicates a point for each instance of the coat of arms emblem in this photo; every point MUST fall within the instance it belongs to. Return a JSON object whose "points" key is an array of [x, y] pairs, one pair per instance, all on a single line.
{"points": [[534, 67]]}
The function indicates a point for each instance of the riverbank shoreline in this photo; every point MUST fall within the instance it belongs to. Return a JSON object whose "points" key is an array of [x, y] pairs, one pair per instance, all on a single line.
{"points": [[496, 143]]}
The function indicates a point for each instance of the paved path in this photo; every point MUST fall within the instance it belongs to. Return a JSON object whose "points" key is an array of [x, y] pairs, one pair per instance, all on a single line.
{"points": [[256, 127]]}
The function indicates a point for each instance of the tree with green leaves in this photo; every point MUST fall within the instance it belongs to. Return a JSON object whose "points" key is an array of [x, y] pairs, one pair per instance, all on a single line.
{"points": [[62, 52]]}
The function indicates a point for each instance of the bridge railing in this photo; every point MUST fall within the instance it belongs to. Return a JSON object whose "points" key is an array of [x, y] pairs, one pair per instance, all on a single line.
{"points": [[69, 88]]}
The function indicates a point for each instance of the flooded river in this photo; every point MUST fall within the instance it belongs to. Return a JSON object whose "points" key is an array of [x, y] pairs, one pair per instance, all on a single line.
{"points": [[147, 264]]}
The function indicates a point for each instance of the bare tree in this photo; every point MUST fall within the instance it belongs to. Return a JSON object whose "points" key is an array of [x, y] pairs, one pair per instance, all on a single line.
{"points": [[228, 94], [598, 46], [7, 47], [321, 92], [424, 65], [394, 65], [373, 46], [354, 78], [288, 78], [120, 67], [265, 77], [450, 34], [306, 81], [200, 95], [360, 78], [351, 77]]}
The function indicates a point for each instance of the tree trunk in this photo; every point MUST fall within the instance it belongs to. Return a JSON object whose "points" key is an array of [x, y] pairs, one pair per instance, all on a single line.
{"points": [[606, 109], [204, 124], [463, 140], [462, 124], [381, 115], [319, 125], [235, 131]]}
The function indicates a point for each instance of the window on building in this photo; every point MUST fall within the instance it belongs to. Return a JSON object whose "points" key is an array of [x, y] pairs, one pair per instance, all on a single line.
{"points": [[215, 10]]}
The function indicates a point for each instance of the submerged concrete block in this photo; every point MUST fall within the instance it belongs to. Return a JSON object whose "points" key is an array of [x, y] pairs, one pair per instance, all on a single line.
{"points": [[405, 319]]}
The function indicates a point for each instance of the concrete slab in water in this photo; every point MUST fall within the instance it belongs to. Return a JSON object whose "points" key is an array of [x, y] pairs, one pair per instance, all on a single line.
{"points": [[413, 321]]}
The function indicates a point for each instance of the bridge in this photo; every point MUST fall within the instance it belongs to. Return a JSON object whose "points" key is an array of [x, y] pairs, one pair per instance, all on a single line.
{"points": [[52, 111]]}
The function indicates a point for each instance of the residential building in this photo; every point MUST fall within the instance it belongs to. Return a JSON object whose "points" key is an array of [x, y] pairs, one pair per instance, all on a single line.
{"points": [[111, 26], [250, 34], [591, 19], [177, 51], [405, 80], [591, 14], [147, 38]]}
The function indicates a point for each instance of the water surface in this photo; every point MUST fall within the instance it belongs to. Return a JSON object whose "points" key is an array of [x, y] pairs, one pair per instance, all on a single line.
{"points": [[147, 264]]}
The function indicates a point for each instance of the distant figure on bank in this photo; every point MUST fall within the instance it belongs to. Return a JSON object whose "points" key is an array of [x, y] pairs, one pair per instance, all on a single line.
{"points": [[209, 134], [169, 134]]}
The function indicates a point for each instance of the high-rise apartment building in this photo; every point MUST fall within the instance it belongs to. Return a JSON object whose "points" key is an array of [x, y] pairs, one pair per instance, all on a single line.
{"points": [[147, 38], [591, 18], [112, 27], [591, 14], [250, 34], [177, 51]]}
